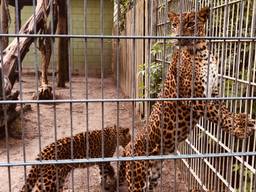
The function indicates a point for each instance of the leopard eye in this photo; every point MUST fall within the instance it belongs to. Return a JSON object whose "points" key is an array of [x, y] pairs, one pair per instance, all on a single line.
{"points": [[174, 25], [191, 24]]}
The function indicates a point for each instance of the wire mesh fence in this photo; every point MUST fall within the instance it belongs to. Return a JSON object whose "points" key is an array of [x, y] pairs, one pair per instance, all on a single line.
{"points": [[209, 159]]}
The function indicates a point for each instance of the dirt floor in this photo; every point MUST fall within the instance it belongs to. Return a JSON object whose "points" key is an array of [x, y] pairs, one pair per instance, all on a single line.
{"points": [[48, 116]]}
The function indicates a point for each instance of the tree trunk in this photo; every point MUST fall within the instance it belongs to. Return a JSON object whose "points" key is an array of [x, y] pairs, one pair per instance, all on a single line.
{"points": [[8, 66], [4, 23], [63, 51]]}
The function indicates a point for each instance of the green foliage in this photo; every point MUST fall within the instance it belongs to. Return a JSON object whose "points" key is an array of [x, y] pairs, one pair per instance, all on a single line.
{"points": [[154, 75], [125, 5], [247, 174], [152, 71]]}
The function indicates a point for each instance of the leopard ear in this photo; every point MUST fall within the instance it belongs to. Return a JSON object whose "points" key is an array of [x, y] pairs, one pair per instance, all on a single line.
{"points": [[204, 13], [126, 131], [172, 15]]}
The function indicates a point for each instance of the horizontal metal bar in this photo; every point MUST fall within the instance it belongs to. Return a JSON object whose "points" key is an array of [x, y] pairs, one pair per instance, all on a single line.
{"points": [[216, 41], [216, 7], [238, 80], [117, 159], [124, 100], [240, 39]]}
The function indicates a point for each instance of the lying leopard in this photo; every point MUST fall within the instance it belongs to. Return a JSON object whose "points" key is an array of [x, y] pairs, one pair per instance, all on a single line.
{"points": [[171, 121], [51, 178]]}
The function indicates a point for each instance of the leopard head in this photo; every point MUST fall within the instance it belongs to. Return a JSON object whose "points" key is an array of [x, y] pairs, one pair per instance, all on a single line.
{"points": [[124, 136], [188, 24]]}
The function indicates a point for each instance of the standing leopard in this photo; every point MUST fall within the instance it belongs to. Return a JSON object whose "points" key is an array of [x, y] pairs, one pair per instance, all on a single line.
{"points": [[51, 178], [193, 72]]}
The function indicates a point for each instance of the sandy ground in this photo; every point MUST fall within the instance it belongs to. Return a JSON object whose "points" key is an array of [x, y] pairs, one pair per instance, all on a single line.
{"points": [[48, 116]]}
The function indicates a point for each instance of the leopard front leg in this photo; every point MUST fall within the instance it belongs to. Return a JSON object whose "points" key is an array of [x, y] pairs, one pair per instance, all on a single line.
{"points": [[142, 176], [136, 176], [239, 125], [122, 174], [154, 174], [108, 180], [52, 178]]}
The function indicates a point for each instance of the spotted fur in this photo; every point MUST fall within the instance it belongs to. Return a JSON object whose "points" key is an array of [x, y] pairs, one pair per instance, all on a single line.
{"points": [[51, 178], [192, 73]]}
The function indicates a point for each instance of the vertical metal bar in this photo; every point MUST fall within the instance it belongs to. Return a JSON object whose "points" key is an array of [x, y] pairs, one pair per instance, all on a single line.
{"points": [[203, 149], [36, 94], [217, 130], [246, 75], [86, 92], [133, 73], [229, 86], [117, 50], [235, 25], [223, 48], [70, 68], [17, 24], [190, 136], [147, 66], [164, 14], [36, 81], [150, 7], [234, 84], [241, 15], [53, 90], [193, 78], [102, 72], [253, 33], [181, 9]]}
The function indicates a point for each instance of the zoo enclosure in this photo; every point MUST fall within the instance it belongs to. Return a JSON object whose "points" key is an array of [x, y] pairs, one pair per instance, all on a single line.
{"points": [[142, 22]]}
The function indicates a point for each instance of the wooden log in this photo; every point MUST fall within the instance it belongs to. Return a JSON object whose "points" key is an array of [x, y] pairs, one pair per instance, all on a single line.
{"points": [[20, 45]]}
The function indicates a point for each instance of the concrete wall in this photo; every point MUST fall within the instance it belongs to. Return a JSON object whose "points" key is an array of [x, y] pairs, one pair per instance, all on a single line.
{"points": [[76, 26]]}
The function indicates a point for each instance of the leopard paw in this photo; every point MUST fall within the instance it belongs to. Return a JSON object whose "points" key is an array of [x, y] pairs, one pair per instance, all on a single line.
{"points": [[243, 126], [44, 93], [108, 184]]}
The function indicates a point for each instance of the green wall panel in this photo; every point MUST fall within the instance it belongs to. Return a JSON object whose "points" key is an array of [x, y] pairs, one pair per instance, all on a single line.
{"points": [[76, 26]]}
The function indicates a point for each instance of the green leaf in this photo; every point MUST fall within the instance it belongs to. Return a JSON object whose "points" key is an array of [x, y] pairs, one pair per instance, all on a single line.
{"points": [[235, 167]]}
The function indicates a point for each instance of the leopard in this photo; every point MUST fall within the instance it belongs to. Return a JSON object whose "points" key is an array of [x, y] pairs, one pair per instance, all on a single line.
{"points": [[192, 73], [91, 144]]}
